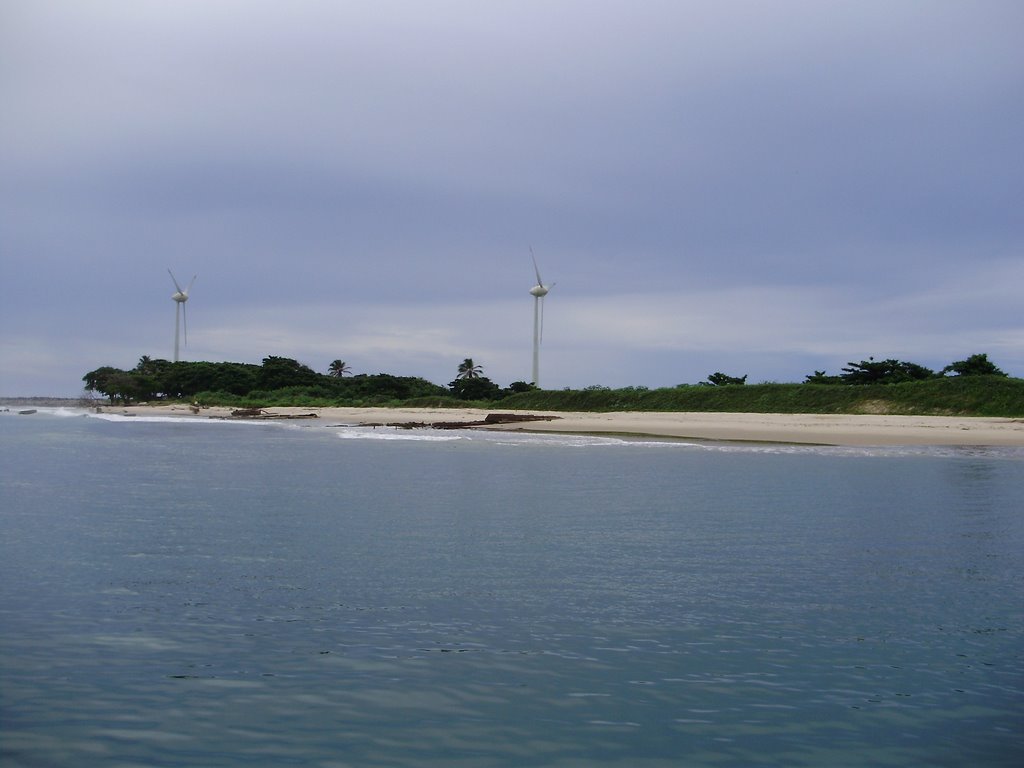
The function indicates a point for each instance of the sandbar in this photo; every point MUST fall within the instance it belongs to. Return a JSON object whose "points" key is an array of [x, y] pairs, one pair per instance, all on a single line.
{"points": [[814, 429]]}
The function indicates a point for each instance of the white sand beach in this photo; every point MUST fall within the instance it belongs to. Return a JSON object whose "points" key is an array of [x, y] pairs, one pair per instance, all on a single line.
{"points": [[758, 427]]}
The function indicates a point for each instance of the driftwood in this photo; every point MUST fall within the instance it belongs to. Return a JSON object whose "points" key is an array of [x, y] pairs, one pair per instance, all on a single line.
{"points": [[511, 418], [490, 420], [248, 412], [259, 413]]}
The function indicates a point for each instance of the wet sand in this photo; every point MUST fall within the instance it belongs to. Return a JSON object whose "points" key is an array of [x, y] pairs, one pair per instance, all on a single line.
{"points": [[759, 427]]}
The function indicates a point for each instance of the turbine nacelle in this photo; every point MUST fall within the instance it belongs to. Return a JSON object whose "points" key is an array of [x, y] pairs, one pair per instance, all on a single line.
{"points": [[539, 290], [180, 295]]}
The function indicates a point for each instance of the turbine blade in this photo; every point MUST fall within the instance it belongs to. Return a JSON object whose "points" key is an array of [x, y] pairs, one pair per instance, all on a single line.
{"points": [[184, 320], [190, 284], [540, 333], [175, 281], [535, 267]]}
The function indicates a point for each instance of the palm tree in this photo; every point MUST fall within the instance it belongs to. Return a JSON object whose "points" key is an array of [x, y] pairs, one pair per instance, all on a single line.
{"points": [[338, 368], [467, 369]]}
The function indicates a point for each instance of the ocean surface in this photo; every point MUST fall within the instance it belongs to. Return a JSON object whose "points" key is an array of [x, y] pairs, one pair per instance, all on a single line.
{"points": [[182, 592]]}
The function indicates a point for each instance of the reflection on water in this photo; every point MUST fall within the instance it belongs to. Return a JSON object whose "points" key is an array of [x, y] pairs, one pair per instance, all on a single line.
{"points": [[224, 596]]}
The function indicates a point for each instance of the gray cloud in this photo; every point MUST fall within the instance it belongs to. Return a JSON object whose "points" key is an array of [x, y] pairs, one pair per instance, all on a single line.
{"points": [[396, 160]]}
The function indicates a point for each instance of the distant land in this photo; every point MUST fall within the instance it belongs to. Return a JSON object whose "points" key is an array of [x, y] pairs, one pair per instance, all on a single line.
{"points": [[47, 402], [971, 387]]}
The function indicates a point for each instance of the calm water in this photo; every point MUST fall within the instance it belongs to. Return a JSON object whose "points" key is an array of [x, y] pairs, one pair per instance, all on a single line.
{"points": [[178, 593]]}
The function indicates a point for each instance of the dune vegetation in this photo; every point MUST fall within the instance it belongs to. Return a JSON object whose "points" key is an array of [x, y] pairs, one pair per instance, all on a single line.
{"points": [[971, 387]]}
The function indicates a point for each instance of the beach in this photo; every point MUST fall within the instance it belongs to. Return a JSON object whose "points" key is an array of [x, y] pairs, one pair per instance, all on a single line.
{"points": [[809, 429]]}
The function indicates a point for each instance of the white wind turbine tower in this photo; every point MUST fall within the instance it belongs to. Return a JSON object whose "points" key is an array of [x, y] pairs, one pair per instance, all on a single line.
{"points": [[180, 319], [539, 291]]}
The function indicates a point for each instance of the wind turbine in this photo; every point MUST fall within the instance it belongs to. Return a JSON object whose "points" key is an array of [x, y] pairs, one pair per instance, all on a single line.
{"points": [[539, 291], [180, 318]]}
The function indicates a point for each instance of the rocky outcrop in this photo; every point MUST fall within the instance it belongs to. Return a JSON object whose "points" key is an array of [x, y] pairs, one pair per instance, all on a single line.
{"points": [[490, 420], [259, 413]]}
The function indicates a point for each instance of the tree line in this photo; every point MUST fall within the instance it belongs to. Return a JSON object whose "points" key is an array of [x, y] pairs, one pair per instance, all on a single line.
{"points": [[157, 379], [889, 371], [278, 379]]}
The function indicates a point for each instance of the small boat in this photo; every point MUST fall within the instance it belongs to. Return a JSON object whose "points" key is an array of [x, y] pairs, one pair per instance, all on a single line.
{"points": [[27, 412]]}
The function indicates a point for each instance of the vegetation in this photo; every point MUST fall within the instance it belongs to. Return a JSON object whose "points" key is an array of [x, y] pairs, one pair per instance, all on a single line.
{"points": [[871, 371], [278, 381], [338, 368], [470, 385], [719, 379], [475, 388], [940, 396], [469, 370], [975, 365], [970, 387]]}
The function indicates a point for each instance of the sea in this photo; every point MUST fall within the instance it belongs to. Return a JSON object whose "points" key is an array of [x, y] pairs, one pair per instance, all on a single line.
{"points": [[195, 592]]}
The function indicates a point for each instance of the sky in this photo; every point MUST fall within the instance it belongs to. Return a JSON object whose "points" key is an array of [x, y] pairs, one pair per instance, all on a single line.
{"points": [[762, 189]]}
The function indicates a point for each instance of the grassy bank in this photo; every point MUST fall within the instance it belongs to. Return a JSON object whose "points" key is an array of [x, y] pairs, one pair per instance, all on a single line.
{"points": [[955, 396], [952, 396]]}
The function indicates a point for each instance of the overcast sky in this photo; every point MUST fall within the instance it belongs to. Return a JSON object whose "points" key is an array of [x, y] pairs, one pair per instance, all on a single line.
{"points": [[761, 188]]}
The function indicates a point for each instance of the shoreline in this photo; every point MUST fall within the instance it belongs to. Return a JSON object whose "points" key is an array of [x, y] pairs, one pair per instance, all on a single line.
{"points": [[801, 429]]}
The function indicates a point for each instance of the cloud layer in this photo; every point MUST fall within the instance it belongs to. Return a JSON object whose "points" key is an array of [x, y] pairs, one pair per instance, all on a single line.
{"points": [[761, 188]]}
